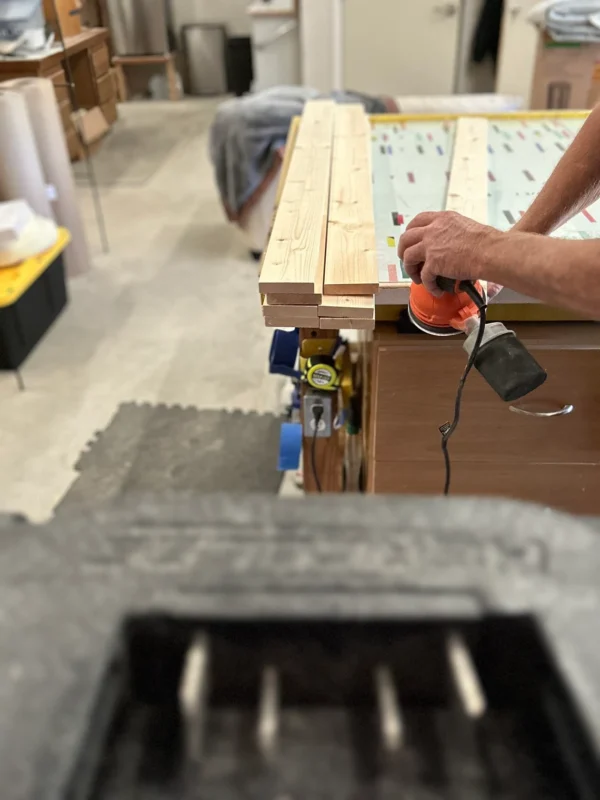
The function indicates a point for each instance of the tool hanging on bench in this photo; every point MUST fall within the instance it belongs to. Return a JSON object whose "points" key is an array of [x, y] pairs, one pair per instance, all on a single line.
{"points": [[321, 373], [324, 371], [500, 357], [493, 350]]}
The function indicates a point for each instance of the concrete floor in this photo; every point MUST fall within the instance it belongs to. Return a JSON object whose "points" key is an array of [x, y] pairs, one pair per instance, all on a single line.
{"points": [[170, 315]]}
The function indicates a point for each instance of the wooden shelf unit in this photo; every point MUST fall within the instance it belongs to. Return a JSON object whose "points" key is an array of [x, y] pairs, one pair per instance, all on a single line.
{"points": [[89, 61]]}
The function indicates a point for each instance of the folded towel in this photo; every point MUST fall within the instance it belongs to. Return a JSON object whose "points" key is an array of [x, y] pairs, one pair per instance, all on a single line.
{"points": [[568, 20]]}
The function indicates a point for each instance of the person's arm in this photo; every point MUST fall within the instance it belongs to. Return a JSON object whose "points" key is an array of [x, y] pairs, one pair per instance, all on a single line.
{"points": [[559, 272], [574, 184]]}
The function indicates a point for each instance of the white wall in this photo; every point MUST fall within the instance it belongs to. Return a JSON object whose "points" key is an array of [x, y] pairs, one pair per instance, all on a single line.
{"points": [[318, 44]]}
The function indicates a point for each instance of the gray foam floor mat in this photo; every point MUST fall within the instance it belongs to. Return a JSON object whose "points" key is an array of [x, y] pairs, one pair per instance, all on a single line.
{"points": [[156, 448]]}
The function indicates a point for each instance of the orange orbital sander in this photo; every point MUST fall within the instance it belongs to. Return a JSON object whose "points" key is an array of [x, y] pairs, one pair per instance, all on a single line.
{"points": [[493, 350], [449, 314]]}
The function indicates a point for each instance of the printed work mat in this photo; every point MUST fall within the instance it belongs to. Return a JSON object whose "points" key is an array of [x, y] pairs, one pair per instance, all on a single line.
{"points": [[411, 167]]}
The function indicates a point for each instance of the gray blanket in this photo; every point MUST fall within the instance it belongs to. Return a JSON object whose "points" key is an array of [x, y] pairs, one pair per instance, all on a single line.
{"points": [[248, 134]]}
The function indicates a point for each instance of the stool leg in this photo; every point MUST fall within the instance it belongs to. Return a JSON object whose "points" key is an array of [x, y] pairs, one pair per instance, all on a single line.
{"points": [[174, 93], [121, 83]]}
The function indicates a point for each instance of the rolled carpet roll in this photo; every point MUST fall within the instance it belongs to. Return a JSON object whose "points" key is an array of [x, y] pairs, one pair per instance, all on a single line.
{"points": [[21, 173], [51, 144]]}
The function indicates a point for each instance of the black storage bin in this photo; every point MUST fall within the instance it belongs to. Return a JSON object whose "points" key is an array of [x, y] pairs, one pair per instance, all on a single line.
{"points": [[25, 322], [240, 72]]}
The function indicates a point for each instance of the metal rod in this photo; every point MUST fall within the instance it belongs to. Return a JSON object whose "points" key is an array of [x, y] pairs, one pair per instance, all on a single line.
{"points": [[193, 695], [390, 716], [268, 711], [95, 191], [465, 676]]}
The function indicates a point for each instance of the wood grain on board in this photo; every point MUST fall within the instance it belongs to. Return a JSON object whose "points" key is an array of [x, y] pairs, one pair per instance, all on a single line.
{"points": [[347, 324], [295, 256], [309, 313], [468, 183], [348, 306], [351, 258], [294, 299]]}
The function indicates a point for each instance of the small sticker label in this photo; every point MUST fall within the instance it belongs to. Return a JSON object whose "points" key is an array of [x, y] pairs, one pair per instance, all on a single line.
{"points": [[321, 377]]}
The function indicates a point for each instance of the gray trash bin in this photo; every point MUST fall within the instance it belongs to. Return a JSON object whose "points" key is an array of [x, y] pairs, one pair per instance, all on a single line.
{"points": [[205, 49]]}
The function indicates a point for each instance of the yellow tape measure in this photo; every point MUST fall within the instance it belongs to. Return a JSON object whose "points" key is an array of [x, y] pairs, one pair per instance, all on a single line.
{"points": [[321, 373]]}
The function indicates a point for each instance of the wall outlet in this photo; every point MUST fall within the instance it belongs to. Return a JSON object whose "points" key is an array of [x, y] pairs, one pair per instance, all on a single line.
{"points": [[311, 400]]}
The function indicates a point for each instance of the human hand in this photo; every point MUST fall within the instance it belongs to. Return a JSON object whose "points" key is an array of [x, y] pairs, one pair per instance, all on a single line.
{"points": [[446, 244]]}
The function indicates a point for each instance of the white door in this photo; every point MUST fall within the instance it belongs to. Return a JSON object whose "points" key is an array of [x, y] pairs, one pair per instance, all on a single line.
{"points": [[320, 44], [275, 52], [518, 47], [398, 47]]}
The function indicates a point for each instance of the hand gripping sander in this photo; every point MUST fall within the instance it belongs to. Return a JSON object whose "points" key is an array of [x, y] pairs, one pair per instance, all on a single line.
{"points": [[495, 351]]}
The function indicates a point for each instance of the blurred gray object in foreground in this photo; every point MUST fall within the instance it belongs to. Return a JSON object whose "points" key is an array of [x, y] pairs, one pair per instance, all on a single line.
{"points": [[73, 593]]}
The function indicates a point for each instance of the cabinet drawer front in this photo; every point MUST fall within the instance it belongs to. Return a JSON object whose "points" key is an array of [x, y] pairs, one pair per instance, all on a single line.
{"points": [[100, 60], [416, 394], [569, 488], [105, 89]]}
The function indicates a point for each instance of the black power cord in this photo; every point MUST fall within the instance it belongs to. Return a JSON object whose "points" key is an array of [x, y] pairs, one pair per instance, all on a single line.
{"points": [[317, 413], [449, 427]]}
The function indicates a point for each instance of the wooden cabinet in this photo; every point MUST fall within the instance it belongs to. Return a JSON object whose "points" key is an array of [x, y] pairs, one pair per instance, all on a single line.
{"points": [[87, 57], [513, 450]]}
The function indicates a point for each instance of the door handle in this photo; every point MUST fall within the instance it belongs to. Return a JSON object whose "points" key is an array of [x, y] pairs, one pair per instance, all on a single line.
{"points": [[560, 412], [446, 10]]}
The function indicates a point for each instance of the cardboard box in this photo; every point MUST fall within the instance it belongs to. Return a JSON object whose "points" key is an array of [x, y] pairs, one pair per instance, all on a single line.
{"points": [[90, 123], [63, 14], [91, 126], [565, 75]]}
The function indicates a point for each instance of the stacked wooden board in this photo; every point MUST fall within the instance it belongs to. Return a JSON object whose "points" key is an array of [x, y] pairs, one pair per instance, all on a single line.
{"points": [[468, 181], [320, 266]]}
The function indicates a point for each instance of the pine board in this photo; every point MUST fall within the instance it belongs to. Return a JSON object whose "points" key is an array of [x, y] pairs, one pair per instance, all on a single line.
{"points": [[351, 258], [308, 314], [294, 299], [468, 181], [289, 322], [349, 306], [295, 256], [347, 324]]}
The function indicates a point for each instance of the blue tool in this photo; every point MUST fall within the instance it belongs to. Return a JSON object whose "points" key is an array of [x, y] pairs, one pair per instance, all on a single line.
{"points": [[290, 446], [284, 353]]}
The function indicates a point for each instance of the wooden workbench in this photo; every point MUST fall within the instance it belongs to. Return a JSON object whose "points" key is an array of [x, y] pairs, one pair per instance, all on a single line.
{"points": [[88, 58], [544, 448], [497, 449]]}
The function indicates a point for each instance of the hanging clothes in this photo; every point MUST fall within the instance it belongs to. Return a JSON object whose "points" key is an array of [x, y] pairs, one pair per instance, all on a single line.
{"points": [[487, 34]]}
